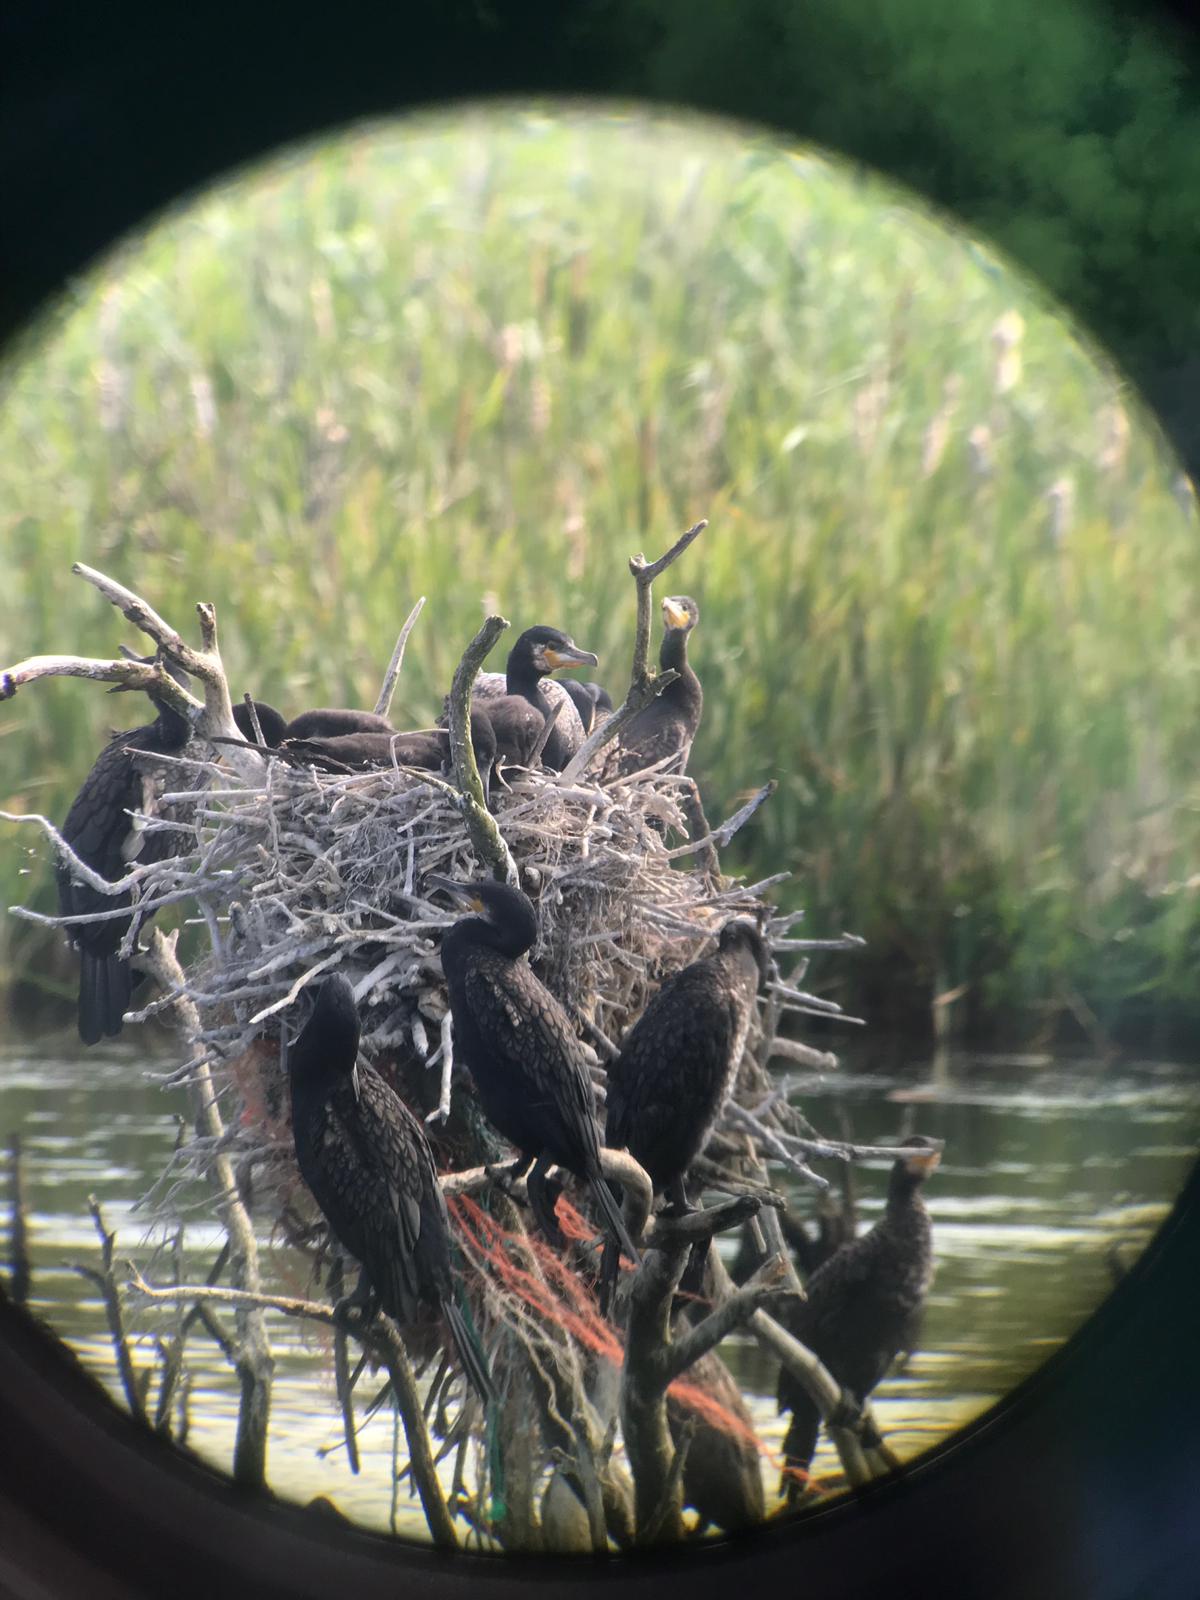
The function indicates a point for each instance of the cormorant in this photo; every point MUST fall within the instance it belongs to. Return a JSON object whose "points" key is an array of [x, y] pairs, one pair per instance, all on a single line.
{"points": [[864, 1304], [679, 1061], [538, 652], [517, 1040], [428, 749], [102, 833], [273, 723], [668, 724], [367, 1161], [332, 722], [584, 702]]}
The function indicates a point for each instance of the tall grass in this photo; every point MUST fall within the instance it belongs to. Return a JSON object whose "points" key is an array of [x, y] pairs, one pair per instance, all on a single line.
{"points": [[949, 590]]}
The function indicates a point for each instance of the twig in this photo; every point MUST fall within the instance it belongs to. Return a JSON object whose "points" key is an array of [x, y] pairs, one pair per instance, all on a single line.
{"points": [[255, 1363], [388, 687], [722, 835], [107, 1285]]}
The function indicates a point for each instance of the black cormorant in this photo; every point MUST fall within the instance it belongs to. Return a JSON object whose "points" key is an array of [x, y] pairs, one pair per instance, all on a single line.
{"points": [[538, 652], [864, 1304], [428, 749], [273, 723], [367, 1161], [517, 1040], [584, 702], [331, 722], [679, 1061], [668, 724], [102, 833]]}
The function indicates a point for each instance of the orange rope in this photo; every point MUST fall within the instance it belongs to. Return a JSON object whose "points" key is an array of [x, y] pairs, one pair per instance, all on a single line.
{"points": [[565, 1299]]}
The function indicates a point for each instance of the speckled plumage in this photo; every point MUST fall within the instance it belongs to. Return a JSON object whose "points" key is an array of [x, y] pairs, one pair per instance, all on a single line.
{"points": [[865, 1302], [517, 1040], [679, 1061], [368, 1164], [100, 830]]}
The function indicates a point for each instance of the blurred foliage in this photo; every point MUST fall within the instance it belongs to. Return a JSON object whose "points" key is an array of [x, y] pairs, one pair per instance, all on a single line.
{"points": [[949, 588]]}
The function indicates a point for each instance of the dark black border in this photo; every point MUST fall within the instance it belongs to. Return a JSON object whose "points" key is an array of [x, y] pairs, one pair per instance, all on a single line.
{"points": [[1085, 1484]]}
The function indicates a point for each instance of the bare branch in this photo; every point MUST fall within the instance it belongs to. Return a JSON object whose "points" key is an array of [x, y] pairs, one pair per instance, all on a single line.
{"points": [[486, 838], [388, 687]]}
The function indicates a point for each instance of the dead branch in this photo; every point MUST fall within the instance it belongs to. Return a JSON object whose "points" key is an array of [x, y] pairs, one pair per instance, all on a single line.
{"points": [[644, 684], [486, 837], [254, 1361], [388, 687], [106, 1282]]}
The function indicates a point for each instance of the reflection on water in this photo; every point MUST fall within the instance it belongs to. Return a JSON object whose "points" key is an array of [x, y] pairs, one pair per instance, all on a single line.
{"points": [[1048, 1165]]}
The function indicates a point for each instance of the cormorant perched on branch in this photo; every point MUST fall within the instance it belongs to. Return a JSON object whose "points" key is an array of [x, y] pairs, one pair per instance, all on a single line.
{"points": [[668, 724], [536, 653], [864, 1304], [428, 749], [102, 833], [367, 1161], [679, 1061], [528, 1068]]}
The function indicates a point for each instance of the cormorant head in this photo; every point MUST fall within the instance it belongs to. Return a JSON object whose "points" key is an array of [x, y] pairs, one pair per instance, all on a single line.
{"points": [[742, 934], [680, 613], [548, 649], [504, 915], [330, 1036], [273, 723], [600, 696], [910, 1171]]}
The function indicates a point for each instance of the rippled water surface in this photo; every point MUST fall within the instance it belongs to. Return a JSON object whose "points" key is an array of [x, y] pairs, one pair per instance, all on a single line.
{"points": [[1052, 1168]]}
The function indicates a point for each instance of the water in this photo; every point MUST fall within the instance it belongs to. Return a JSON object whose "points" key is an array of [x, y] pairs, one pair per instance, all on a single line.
{"points": [[1048, 1165]]}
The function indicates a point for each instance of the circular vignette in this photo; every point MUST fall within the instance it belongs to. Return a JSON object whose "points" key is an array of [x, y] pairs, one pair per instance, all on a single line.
{"points": [[1076, 1485]]}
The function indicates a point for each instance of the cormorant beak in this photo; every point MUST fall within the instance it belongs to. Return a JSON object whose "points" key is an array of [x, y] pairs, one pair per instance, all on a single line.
{"points": [[674, 615], [922, 1162], [461, 893], [569, 656]]}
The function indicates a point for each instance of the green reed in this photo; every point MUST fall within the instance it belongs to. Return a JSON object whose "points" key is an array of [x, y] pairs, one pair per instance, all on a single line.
{"points": [[949, 587]]}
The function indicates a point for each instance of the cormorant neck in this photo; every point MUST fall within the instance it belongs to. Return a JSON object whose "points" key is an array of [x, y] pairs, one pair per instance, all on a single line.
{"points": [[904, 1194], [512, 938], [522, 676], [174, 730], [672, 656]]}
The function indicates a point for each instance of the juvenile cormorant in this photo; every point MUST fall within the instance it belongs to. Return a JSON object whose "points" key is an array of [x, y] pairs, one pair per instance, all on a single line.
{"points": [[367, 1161], [668, 724], [102, 833], [680, 1060], [273, 723], [864, 1304], [428, 749], [538, 652], [517, 1040], [331, 722], [722, 1475]]}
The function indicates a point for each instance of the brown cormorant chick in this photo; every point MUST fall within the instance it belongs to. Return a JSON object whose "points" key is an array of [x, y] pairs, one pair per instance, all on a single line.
{"points": [[538, 652], [517, 1040], [864, 1304], [332, 722], [272, 723], [679, 1061], [102, 833], [367, 1161], [668, 724], [427, 749]]}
